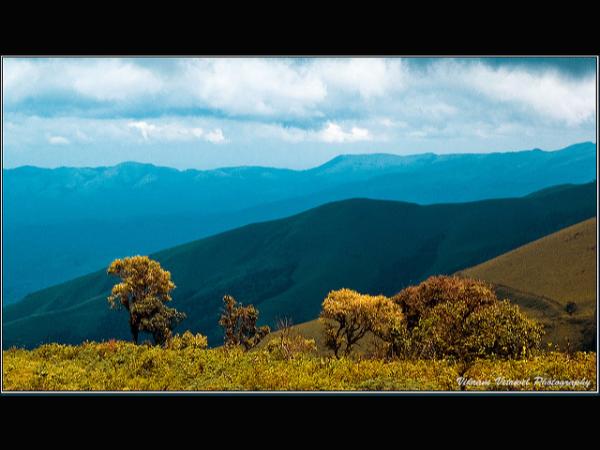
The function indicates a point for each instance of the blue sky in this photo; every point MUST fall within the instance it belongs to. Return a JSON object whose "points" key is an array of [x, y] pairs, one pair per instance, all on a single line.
{"points": [[287, 112]]}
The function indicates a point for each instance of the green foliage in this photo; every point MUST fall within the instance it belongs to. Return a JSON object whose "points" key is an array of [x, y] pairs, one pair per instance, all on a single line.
{"points": [[500, 330], [144, 291], [123, 366], [459, 318], [239, 324]]}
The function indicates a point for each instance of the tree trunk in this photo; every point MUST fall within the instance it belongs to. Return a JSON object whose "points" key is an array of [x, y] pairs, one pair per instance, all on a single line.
{"points": [[134, 332]]}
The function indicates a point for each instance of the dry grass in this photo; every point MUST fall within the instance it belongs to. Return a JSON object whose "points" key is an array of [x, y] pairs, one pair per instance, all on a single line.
{"points": [[544, 275]]}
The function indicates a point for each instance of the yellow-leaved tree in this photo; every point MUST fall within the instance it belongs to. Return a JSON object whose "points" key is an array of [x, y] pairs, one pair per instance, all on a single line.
{"points": [[144, 290], [348, 316]]}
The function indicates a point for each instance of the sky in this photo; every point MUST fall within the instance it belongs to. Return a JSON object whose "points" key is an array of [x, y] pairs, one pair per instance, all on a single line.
{"points": [[298, 113]]}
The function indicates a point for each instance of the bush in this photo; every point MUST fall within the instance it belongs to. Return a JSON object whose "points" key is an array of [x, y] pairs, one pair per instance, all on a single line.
{"points": [[188, 340], [123, 366], [462, 319], [289, 344], [291, 347]]}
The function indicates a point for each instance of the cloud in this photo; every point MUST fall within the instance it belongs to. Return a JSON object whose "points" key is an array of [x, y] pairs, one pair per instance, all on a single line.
{"points": [[144, 127], [309, 90], [267, 108], [367, 77], [103, 80], [112, 80], [263, 87], [330, 133], [173, 131], [334, 133], [58, 140], [540, 94], [215, 136]]}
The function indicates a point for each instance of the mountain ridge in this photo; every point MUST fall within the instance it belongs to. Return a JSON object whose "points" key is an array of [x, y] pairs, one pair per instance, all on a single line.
{"points": [[286, 266], [342, 157], [61, 223]]}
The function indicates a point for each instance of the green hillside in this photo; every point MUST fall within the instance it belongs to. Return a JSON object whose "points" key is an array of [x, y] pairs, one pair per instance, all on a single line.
{"points": [[544, 275], [286, 267]]}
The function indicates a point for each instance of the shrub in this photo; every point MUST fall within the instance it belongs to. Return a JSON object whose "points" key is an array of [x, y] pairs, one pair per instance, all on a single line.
{"points": [[289, 343], [462, 319], [124, 366], [187, 340]]}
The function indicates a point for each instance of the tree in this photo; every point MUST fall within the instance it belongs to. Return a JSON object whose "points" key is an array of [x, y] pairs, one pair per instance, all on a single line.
{"points": [[348, 316], [144, 290], [239, 324], [462, 319]]}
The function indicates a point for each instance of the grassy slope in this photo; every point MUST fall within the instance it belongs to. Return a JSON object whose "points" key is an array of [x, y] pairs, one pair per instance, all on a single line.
{"points": [[543, 276], [287, 266]]}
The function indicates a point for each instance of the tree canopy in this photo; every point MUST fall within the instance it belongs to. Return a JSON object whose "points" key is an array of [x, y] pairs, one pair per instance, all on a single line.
{"points": [[144, 291]]}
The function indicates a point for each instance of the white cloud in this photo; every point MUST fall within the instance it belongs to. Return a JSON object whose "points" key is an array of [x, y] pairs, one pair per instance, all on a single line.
{"points": [[19, 77], [144, 127], [173, 131], [368, 77], [110, 80], [215, 136], [58, 140], [334, 133], [263, 87], [318, 89], [330, 133], [544, 94]]}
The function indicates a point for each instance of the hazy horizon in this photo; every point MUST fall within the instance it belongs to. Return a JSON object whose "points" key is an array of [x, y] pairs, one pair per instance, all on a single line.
{"points": [[298, 169]]}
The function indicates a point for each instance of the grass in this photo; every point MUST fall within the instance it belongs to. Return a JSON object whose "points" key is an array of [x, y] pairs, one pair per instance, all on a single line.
{"points": [[122, 366], [286, 267], [544, 275]]}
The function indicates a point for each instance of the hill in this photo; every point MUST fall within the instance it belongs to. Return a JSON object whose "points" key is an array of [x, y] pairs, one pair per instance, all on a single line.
{"points": [[547, 274], [140, 208], [286, 267], [541, 277]]}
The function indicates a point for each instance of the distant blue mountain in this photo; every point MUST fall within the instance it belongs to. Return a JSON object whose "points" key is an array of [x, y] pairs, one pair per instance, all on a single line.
{"points": [[65, 222]]}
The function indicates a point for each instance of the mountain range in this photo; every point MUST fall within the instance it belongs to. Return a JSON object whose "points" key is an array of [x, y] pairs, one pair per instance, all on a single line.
{"points": [[66, 222], [286, 267]]}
